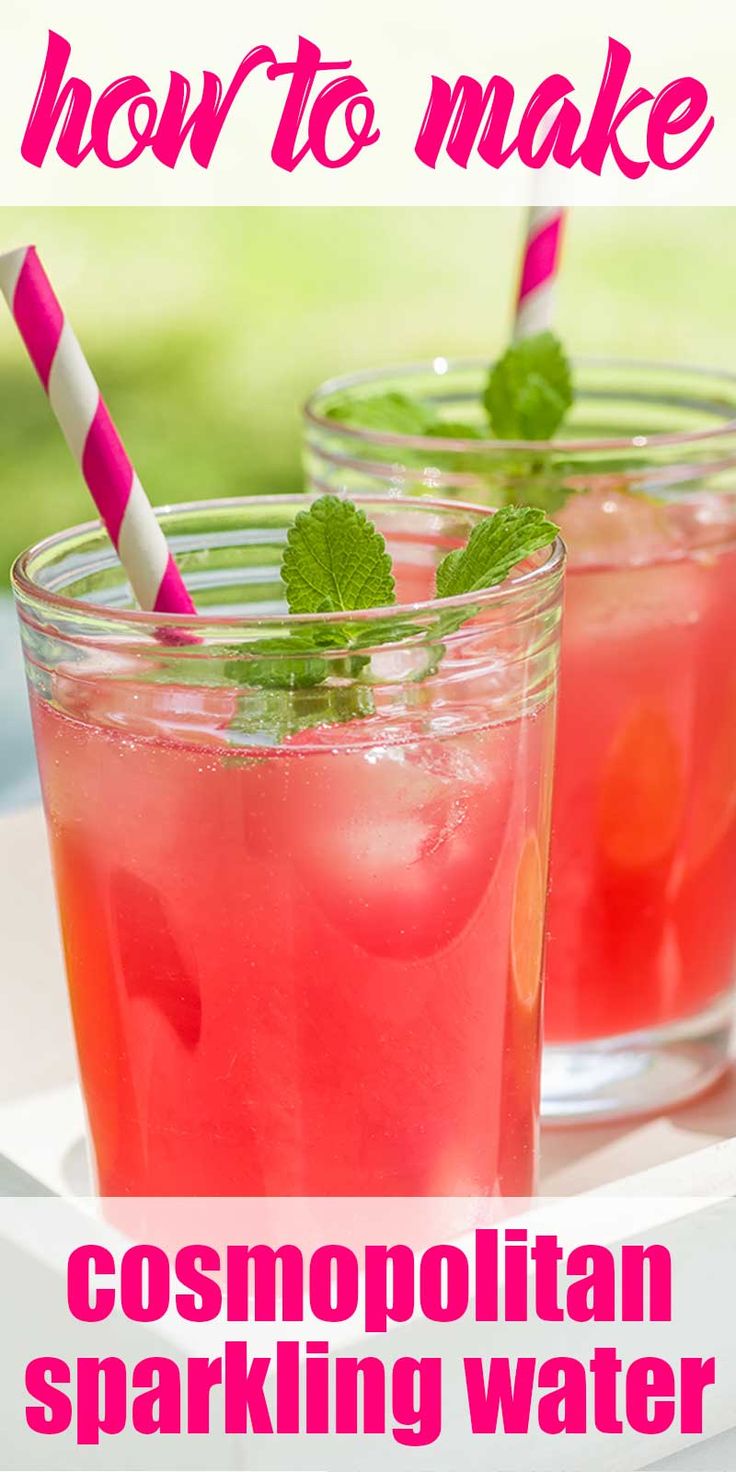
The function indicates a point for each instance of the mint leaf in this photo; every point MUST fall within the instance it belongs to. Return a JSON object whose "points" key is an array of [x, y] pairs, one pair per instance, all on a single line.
{"points": [[529, 389], [335, 560], [494, 546], [279, 714], [397, 413], [388, 413], [296, 665], [453, 429]]}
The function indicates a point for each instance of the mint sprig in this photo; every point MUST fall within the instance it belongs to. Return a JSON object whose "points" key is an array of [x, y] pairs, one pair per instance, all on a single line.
{"points": [[529, 389], [288, 663], [528, 393], [496, 545], [388, 413], [527, 396], [335, 562]]}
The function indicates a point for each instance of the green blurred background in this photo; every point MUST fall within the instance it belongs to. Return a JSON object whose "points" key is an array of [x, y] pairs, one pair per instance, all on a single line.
{"points": [[206, 328]]}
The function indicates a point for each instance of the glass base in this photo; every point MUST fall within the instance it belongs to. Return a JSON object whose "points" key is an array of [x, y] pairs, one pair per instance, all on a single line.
{"points": [[636, 1073]]}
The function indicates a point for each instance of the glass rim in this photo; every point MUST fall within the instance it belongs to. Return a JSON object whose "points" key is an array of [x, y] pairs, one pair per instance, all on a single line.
{"points": [[27, 589], [575, 445]]}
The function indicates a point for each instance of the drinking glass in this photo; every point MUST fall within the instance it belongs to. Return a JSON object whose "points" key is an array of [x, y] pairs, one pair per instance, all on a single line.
{"points": [[642, 920], [301, 894]]}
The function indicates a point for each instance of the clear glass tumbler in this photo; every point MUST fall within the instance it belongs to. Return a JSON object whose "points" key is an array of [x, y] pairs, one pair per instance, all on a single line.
{"points": [[302, 895], [642, 921]]}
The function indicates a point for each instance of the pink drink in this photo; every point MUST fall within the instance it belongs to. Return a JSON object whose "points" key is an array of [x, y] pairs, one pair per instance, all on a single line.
{"points": [[642, 923], [307, 964], [643, 899], [297, 976]]}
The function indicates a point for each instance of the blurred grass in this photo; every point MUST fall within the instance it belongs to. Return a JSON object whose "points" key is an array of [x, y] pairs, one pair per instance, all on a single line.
{"points": [[206, 328]]}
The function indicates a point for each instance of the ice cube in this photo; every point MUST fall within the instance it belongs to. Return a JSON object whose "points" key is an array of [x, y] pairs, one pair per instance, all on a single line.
{"points": [[614, 528], [400, 841], [628, 603]]}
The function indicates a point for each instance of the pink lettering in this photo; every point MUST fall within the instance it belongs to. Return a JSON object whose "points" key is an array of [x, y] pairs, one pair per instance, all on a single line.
{"points": [[563, 1407], [557, 135], [344, 92], [246, 1408], [495, 1393], [650, 1395], [157, 1407], [646, 1284], [696, 1376], [207, 120], [85, 1303], [468, 115], [333, 1283], [70, 101], [144, 1283], [444, 1284], [608, 116], [53, 1413], [101, 1398], [417, 1400], [193, 1267], [129, 93], [389, 1286], [593, 1296], [341, 106], [203, 1376], [677, 109], [461, 109]]}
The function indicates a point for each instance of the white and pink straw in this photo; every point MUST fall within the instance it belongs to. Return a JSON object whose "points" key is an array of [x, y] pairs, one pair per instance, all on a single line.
{"points": [[91, 435], [539, 267]]}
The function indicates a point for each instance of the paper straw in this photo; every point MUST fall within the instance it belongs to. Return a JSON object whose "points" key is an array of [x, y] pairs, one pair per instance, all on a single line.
{"points": [[539, 267], [91, 435]]}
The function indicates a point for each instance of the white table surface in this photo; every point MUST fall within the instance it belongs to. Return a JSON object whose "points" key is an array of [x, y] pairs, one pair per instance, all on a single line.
{"points": [[41, 1118]]}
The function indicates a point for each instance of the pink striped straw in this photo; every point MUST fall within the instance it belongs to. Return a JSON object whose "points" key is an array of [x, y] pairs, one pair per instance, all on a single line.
{"points": [[539, 268], [91, 435]]}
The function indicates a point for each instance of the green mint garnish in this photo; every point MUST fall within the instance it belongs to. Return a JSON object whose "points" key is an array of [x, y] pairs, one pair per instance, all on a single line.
{"points": [[389, 413], [494, 546], [335, 561], [453, 429], [299, 668], [528, 393], [529, 389]]}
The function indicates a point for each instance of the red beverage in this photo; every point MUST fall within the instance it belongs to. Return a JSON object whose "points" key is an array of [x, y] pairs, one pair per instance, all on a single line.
{"points": [[294, 972], [640, 477], [643, 899], [308, 964]]}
